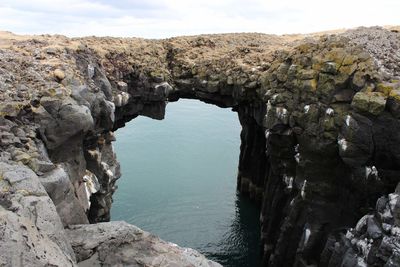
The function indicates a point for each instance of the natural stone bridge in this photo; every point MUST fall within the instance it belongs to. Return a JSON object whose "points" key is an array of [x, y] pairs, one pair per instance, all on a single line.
{"points": [[320, 143]]}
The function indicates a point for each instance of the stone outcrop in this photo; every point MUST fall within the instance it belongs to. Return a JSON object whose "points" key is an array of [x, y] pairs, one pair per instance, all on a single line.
{"points": [[31, 230], [122, 244], [373, 242], [320, 123]]}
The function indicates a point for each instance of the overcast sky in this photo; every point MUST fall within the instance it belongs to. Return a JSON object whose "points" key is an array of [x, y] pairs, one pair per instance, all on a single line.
{"points": [[162, 18]]}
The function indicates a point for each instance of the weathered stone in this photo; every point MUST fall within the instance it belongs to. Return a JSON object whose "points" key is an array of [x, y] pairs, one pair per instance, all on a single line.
{"points": [[251, 85], [61, 192], [344, 96], [41, 166], [11, 108], [394, 260], [118, 243], [292, 71], [368, 244], [230, 80], [395, 94], [32, 233], [374, 229], [275, 116], [329, 67], [164, 89], [101, 81], [90, 71], [309, 85], [281, 72], [393, 102], [307, 74], [22, 157], [122, 86], [373, 103], [59, 74], [387, 88], [326, 85], [51, 51], [121, 99], [61, 120]]}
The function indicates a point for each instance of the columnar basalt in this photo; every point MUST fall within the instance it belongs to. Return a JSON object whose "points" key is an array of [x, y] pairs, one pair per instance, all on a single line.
{"points": [[319, 115]]}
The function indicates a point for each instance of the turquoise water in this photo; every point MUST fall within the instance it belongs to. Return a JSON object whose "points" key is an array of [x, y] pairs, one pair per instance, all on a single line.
{"points": [[179, 182]]}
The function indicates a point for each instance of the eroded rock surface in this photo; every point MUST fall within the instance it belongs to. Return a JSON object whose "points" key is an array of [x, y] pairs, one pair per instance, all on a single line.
{"points": [[320, 143], [31, 231], [122, 244], [373, 242]]}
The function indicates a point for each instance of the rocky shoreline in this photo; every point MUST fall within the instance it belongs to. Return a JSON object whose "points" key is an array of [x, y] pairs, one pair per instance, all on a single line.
{"points": [[320, 122]]}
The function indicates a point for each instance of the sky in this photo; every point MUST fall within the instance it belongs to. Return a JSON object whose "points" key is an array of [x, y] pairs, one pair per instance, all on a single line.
{"points": [[162, 18]]}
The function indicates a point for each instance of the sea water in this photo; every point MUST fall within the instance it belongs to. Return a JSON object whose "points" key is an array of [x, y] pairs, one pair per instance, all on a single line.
{"points": [[179, 182]]}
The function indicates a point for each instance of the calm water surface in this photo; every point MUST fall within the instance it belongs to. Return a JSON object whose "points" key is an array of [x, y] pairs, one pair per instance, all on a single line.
{"points": [[179, 182]]}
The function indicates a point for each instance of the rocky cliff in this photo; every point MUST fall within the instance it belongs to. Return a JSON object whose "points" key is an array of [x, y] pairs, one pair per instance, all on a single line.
{"points": [[320, 142]]}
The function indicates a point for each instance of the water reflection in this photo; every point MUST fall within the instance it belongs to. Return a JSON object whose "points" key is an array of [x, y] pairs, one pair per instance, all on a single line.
{"points": [[240, 245]]}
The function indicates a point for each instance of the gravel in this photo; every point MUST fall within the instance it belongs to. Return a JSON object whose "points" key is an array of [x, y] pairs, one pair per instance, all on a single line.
{"points": [[382, 44]]}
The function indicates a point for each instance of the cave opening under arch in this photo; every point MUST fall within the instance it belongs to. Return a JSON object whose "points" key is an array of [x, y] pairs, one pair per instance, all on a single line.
{"points": [[179, 182]]}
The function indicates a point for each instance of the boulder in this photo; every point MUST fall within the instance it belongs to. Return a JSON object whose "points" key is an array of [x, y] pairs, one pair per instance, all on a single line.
{"points": [[59, 74], [30, 228], [61, 192], [59, 120], [370, 102]]}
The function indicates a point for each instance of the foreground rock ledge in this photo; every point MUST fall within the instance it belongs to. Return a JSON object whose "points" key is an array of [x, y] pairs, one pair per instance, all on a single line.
{"points": [[122, 244], [319, 154], [32, 233]]}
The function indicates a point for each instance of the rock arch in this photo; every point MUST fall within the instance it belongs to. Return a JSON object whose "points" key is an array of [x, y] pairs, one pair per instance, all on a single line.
{"points": [[310, 132]]}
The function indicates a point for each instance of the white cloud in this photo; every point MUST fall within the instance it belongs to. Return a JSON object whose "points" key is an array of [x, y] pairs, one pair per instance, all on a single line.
{"points": [[162, 18]]}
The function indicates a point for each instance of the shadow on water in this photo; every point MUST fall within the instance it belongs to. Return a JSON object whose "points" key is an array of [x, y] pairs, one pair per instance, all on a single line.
{"points": [[240, 246]]}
